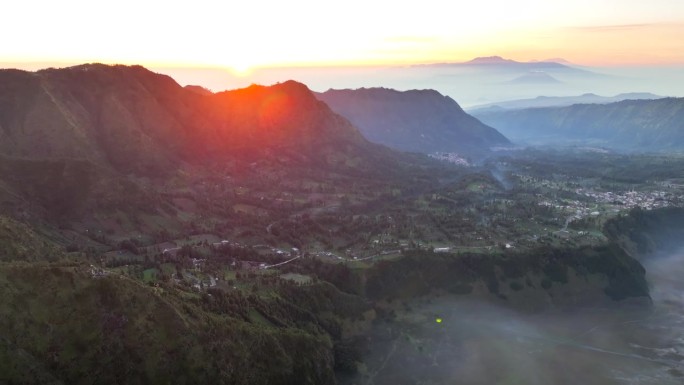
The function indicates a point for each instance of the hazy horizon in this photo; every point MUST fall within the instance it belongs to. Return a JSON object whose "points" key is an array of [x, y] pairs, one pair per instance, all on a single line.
{"points": [[244, 36], [460, 84], [355, 44]]}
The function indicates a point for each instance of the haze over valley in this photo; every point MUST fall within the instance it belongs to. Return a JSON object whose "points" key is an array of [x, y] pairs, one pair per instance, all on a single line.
{"points": [[472, 82]]}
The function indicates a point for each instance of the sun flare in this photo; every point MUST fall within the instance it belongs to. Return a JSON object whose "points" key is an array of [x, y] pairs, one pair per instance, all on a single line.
{"points": [[241, 68]]}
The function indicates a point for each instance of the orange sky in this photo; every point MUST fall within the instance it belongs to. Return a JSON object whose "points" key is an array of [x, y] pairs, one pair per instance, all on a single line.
{"points": [[260, 33]]}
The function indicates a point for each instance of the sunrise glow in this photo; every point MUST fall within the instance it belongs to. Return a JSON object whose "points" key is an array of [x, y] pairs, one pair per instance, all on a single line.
{"points": [[242, 36]]}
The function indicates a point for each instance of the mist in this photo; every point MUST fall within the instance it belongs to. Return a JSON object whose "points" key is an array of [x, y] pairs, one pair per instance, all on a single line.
{"points": [[484, 342], [469, 86]]}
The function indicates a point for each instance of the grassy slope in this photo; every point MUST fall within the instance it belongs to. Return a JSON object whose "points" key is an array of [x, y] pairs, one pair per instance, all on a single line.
{"points": [[19, 242], [58, 324]]}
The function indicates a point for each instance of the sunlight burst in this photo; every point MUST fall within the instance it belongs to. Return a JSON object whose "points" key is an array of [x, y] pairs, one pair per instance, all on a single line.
{"points": [[240, 68]]}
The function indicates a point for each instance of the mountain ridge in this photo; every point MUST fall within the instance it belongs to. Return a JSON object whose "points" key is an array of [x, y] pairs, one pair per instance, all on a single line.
{"points": [[499, 62], [562, 101], [415, 120], [642, 125], [134, 119]]}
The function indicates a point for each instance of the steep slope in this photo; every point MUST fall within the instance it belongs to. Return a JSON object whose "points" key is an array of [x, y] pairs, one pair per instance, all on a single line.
{"points": [[630, 124], [421, 121], [645, 233], [125, 117], [285, 116]]}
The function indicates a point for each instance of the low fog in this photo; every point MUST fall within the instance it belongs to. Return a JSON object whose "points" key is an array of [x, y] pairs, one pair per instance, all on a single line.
{"points": [[485, 343], [468, 86]]}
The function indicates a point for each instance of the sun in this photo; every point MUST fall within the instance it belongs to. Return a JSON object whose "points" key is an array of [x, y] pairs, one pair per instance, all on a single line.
{"points": [[240, 68]]}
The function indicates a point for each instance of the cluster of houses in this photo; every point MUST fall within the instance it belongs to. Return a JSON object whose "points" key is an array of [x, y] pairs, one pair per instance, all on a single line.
{"points": [[616, 202], [645, 199], [450, 157], [97, 272]]}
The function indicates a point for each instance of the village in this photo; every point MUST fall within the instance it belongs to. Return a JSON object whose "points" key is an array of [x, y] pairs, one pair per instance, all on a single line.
{"points": [[450, 157], [301, 230], [609, 203]]}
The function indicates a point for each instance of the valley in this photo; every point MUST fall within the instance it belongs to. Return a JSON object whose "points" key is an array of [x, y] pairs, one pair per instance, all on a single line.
{"points": [[256, 236]]}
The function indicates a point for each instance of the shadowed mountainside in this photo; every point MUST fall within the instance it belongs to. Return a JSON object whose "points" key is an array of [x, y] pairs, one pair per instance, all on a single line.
{"points": [[644, 233], [59, 325], [421, 121], [630, 124], [560, 101]]}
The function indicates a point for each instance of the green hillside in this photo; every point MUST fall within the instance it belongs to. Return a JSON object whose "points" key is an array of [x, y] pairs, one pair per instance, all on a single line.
{"points": [[641, 125]]}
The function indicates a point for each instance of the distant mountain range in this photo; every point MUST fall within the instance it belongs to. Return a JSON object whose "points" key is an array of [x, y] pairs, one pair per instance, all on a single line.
{"points": [[473, 82], [487, 79], [418, 120], [561, 101], [642, 125], [555, 60], [498, 63]]}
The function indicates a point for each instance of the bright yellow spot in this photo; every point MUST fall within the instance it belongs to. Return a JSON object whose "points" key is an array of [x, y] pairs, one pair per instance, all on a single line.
{"points": [[241, 68], [219, 33], [438, 320]]}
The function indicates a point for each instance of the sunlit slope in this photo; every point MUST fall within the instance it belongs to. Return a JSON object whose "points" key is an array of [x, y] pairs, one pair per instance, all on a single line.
{"points": [[136, 121]]}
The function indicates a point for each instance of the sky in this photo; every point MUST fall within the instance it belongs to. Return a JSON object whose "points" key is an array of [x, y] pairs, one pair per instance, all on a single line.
{"points": [[244, 35]]}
